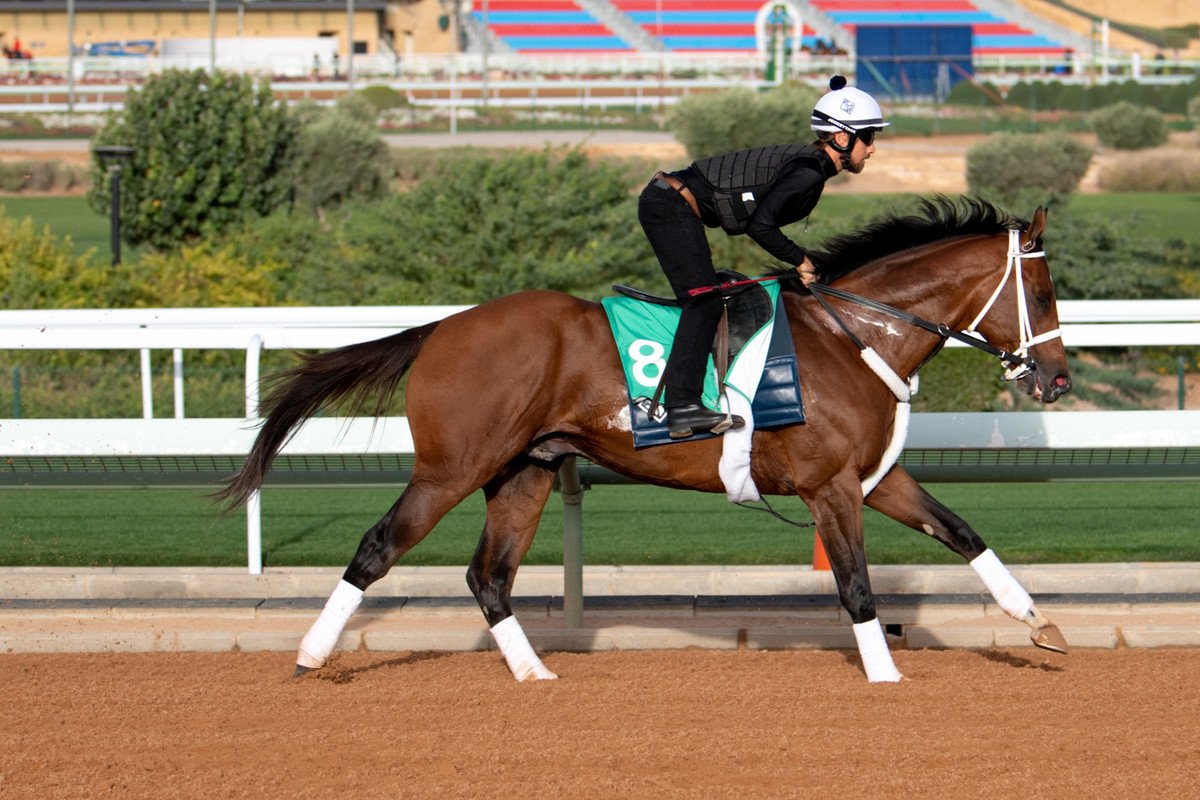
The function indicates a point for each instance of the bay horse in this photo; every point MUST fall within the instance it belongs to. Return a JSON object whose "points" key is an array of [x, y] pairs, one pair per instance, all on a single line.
{"points": [[498, 395]]}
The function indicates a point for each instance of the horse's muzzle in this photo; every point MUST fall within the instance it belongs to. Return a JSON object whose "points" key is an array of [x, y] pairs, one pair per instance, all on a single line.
{"points": [[1045, 389]]}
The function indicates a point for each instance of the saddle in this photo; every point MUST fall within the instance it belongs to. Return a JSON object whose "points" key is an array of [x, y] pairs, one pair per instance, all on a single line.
{"points": [[747, 308], [641, 337]]}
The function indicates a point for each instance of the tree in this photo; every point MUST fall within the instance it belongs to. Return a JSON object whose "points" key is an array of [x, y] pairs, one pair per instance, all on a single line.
{"points": [[212, 151]]}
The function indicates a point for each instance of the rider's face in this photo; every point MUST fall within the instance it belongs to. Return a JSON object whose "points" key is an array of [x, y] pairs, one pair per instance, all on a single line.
{"points": [[859, 155]]}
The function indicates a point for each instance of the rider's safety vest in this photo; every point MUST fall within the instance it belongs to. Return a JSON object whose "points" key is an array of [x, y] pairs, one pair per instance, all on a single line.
{"points": [[739, 179]]}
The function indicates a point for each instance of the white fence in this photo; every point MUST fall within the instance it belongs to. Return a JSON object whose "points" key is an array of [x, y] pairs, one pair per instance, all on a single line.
{"points": [[591, 80], [1000, 446]]}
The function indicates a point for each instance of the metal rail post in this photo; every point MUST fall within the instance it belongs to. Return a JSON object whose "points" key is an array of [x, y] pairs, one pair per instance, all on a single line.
{"points": [[572, 495]]}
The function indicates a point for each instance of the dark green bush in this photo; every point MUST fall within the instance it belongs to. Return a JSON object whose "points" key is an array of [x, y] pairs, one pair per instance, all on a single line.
{"points": [[1018, 169], [1034, 96], [340, 156], [1175, 99], [971, 93], [212, 151], [1125, 126], [474, 228], [708, 124], [1072, 97], [1098, 259]]}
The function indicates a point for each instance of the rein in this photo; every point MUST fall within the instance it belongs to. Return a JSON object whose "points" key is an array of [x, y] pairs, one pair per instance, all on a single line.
{"points": [[1017, 362]]}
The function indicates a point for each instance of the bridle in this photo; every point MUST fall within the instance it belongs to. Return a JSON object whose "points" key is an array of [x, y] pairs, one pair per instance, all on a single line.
{"points": [[1017, 252], [1017, 363]]}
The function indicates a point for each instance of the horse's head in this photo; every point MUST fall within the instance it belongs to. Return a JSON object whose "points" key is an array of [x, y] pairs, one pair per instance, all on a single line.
{"points": [[1021, 317]]}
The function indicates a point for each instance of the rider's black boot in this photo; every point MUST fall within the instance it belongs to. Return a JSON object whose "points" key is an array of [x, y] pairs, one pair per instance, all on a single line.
{"points": [[685, 421]]}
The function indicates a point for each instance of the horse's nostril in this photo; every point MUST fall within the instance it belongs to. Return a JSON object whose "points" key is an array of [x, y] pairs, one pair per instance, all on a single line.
{"points": [[1062, 383]]}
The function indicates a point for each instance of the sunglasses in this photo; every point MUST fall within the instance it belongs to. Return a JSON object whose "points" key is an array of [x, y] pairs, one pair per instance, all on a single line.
{"points": [[867, 136]]}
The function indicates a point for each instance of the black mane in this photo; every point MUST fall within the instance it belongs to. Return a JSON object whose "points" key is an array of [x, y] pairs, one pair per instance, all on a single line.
{"points": [[938, 219]]}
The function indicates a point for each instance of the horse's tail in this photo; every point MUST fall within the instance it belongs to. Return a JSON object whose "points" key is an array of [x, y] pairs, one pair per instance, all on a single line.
{"points": [[355, 373]]}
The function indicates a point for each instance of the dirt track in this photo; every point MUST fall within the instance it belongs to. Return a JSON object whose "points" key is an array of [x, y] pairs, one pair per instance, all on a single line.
{"points": [[744, 724]]}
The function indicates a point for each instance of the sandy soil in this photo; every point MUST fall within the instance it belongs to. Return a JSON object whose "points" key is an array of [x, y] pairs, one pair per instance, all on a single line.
{"points": [[679, 724]]}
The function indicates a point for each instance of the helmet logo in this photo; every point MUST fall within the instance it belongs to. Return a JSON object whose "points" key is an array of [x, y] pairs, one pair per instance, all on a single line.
{"points": [[847, 105]]}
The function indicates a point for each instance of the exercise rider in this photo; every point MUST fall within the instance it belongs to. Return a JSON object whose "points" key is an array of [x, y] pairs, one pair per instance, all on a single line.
{"points": [[755, 192]]}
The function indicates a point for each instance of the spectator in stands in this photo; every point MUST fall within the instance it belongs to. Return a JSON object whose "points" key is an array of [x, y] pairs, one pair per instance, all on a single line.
{"points": [[755, 192]]}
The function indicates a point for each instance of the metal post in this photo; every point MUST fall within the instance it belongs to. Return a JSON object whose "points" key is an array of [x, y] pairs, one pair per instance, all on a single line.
{"points": [[212, 36], [254, 561], [147, 386], [1182, 390], [114, 155], [114, 184], [350, 46], [70, 56], [177, 360], [16, 386], [572, 495], [485, 54]]}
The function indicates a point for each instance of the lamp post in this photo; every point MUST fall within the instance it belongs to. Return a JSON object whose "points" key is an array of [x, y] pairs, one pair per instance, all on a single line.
{"points": [[115, 156]]}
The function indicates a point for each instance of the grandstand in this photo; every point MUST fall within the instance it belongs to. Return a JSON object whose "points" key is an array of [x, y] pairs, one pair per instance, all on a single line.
{"points": [[545, 26], [548, 26], [991, 34], [701, 25]]}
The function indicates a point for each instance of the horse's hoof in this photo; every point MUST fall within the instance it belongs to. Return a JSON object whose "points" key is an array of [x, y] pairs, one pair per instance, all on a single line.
{"points": [[1049, 638], [302, 670]]}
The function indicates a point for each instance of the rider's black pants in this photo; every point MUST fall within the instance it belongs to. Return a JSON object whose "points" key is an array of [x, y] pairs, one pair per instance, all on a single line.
{"points": [[678, 239]]}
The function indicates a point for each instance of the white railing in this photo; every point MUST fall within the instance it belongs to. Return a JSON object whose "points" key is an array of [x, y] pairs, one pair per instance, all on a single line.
{"points": [[1084, 323], [523, 81]]}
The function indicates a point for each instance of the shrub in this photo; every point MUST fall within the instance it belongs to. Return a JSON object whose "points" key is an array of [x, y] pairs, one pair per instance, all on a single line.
{"points": [[1072, 97], [1035, 96], [383, 98], [1098, 259], [1160, 171], [1125, 126], [971, 93], [719, 123], [1193, 111], [1017, 169], [1177, 97], [40, 176], [340, 156], [40, 270], [475, 227], [212, 151], [198, 277]]}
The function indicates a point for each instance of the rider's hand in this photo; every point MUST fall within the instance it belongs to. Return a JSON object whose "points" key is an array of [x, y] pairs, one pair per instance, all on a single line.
{"points": [[808, 273]]}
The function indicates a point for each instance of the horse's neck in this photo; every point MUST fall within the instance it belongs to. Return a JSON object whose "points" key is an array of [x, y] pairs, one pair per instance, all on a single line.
{"points": [[946, 282]]}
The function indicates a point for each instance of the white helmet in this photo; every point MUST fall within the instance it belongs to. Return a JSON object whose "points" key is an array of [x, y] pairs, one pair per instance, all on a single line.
{"points": [[846, 109]]}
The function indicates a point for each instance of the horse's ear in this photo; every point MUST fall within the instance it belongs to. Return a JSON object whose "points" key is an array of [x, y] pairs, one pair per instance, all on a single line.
{"points": [[1038, 226]]}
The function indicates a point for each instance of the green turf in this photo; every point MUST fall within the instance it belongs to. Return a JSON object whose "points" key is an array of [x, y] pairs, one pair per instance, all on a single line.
{"points": [[1166, 216], [1025, 523], [66, 216]]}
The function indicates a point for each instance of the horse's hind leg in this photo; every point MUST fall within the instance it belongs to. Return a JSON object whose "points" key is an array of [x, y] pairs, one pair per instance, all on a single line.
{"points": [[904, 500], [406, 523], [515, 499]]}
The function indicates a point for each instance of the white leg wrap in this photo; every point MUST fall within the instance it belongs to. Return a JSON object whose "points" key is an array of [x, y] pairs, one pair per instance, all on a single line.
{"points": [[318, 643], [517, 651], [872, 646], [1009, 594]]}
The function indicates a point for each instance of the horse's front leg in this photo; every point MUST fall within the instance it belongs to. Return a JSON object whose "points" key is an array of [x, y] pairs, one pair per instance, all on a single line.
{"points": [[837, 509], [904, 500]]}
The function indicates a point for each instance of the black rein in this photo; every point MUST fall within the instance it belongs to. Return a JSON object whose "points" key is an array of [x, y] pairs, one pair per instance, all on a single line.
{"points": [[819, 290]]}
